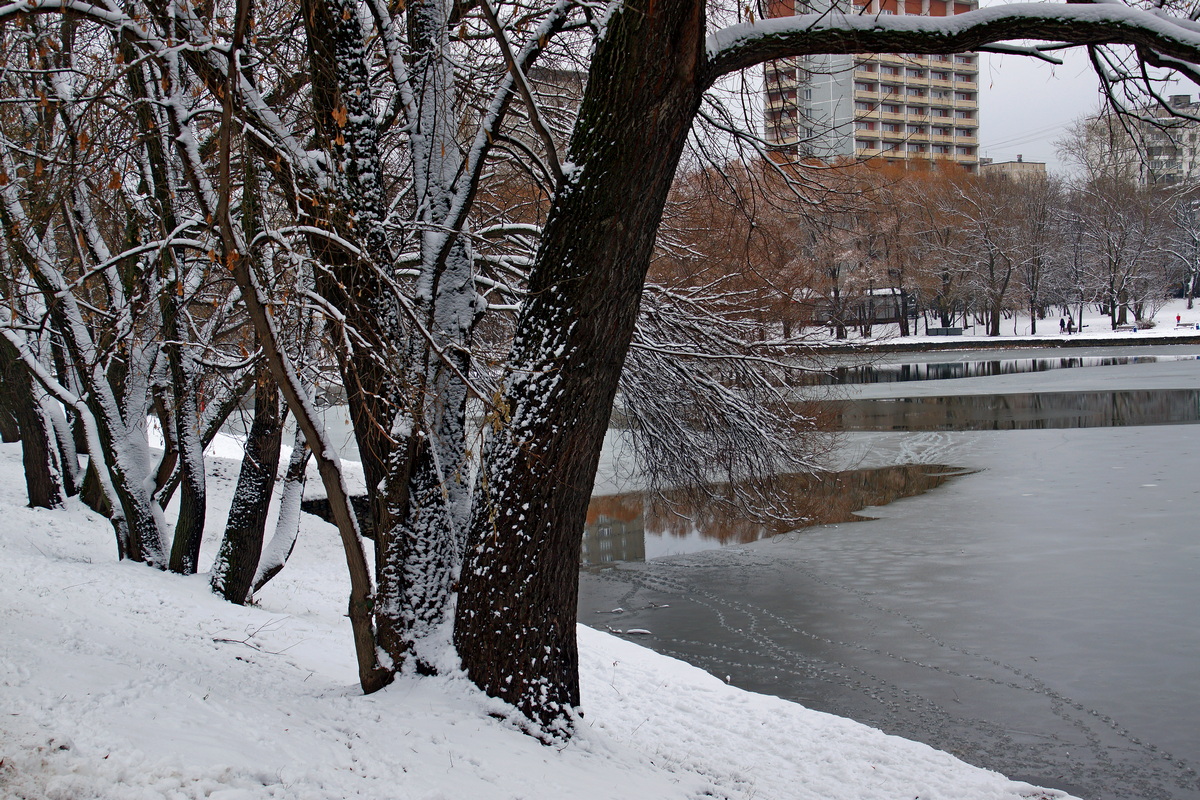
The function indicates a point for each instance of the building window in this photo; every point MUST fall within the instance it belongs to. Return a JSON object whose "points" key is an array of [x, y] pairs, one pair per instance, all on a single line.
{"points": [[962, 77], [913, 91], [915, 73], [960, 59], [863, 106], [864, 87], [892, 109], [965, 133], [964, 114], [968, 96], [964, 151], [864, 126], [920, 129], [917, 111]]}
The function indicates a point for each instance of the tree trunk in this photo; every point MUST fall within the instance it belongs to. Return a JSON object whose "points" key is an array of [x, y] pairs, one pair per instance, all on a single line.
{"points": [[237, 560], [515, 621], [287, 525], [42, 478], [10, 432]]}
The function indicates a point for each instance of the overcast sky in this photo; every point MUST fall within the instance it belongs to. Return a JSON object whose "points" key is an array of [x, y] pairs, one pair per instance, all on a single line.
{"points": [[1026, 104]]}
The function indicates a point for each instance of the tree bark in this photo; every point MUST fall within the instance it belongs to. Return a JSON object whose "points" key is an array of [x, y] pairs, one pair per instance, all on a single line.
{"points": [[42, 478], [237, 560], [515, 621]]}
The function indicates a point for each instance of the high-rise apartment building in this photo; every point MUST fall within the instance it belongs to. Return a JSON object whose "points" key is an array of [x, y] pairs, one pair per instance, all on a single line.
{"points": [[1171, 144], [899, 107]]}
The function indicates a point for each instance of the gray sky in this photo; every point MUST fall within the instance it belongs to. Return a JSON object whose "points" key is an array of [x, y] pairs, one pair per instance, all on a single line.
{"points": [[1026, 104]]}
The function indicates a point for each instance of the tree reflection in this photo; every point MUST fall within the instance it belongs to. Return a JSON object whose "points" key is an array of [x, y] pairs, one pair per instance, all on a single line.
{"points": [[617, 524]]}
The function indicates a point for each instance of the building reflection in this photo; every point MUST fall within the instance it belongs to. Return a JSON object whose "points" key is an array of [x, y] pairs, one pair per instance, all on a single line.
{"points": [[617, 525]]}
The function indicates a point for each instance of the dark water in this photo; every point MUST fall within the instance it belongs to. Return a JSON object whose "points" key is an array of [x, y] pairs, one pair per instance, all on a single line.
{"points": [[1033, 411], [1061, 648], [631, 527], [900, 373]]}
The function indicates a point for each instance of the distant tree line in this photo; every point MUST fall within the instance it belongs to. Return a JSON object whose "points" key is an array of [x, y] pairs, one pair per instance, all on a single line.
{"points": [[856, 245]]}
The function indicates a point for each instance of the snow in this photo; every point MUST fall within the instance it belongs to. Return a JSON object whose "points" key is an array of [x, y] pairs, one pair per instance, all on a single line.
{"points": [[1016, 330], [1179, 32], [124, 683]]}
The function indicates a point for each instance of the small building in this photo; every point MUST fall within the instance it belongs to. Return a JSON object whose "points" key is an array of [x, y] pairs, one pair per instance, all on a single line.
{"points": [[1017, 170]]}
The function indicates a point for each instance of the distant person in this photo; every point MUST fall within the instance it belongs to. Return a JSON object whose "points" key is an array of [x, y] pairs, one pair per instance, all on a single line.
{"points": [[1177, 319], [1070, 326], [1062, 325]]}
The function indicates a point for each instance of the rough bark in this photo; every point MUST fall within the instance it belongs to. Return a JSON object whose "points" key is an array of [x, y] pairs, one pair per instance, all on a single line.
{"points": [[423, 520], [287, 525], [345, 126], [42, 478], [515, 622], [241, 548]]}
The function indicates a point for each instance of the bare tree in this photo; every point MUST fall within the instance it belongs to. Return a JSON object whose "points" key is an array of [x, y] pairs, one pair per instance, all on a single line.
{"points": [[385, 199]]}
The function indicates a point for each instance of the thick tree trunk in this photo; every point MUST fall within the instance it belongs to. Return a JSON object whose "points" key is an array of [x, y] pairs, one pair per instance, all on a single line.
{"points": [[237, 560], [427, 501], [344, 120], [515, 621]]}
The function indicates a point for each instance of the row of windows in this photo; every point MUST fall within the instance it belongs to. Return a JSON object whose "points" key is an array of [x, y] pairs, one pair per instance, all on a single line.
{"points": [[862, 107], [918, 147], [867, 107], [921, 130], [966, 59], [943, 95], [914, 72]]}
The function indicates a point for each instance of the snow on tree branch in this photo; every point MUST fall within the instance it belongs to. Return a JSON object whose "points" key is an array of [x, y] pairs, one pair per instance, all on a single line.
{"points": [[741, 46]]}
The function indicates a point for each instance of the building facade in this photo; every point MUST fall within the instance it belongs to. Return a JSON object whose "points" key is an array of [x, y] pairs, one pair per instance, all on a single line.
{"points": [[1171, 144], [898, 107]]}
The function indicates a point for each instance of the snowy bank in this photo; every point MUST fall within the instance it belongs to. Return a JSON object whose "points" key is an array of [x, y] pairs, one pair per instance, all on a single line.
{"points": [[122, 683]]}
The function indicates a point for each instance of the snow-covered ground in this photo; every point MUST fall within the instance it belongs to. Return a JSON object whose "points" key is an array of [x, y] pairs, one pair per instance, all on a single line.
{"points": [[1095, 327], [122, 683]]}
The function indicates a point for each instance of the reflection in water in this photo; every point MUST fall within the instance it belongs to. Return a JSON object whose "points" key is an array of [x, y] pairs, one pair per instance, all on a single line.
{"points": [[1006, 412], [617, 525], [898, 373]]}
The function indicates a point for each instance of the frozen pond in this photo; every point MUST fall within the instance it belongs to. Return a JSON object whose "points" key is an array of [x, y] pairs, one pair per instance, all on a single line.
{"points": [[1038, 616], [891, 372], [1039, 410]]}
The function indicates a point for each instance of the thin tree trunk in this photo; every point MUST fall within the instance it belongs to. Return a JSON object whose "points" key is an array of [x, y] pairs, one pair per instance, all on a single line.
{"points": [[287, 525], [237, 560], [42, 477]]}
